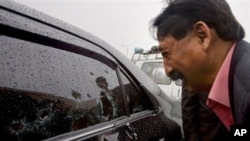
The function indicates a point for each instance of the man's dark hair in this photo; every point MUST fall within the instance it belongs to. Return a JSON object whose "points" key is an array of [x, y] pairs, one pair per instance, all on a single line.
{"points": [[179, 17]]}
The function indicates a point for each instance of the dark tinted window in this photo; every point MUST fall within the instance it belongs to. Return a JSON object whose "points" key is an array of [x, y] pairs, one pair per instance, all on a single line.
{"points": [[45, 91], [137, 101]]}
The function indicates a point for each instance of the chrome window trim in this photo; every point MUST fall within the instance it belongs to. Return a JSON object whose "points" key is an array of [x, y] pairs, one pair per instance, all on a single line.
{"points": [[90, 132], [98, 129]]}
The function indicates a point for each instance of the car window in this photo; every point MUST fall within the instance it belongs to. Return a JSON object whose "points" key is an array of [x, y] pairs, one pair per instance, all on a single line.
{"points": [[137, 101], [45, 91]]}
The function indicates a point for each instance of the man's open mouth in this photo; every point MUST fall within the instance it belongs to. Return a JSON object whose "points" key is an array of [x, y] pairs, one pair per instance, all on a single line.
{"points": [[176, 75]]}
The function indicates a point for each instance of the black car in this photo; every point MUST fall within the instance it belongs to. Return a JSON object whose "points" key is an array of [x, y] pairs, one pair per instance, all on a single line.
{"points": [[58, 82]]}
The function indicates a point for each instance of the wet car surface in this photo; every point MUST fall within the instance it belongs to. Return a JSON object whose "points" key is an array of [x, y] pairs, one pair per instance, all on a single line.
{"points": [[58, 82]]}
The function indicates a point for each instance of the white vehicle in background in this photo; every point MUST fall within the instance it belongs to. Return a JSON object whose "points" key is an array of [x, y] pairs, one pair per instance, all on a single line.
{"points": [[151, 63]]}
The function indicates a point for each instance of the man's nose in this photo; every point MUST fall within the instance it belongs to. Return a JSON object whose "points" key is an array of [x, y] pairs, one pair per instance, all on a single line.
{"points": [[168, 69]]}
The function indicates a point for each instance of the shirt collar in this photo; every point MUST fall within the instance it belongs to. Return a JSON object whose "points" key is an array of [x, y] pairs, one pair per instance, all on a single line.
{"points": [[219, 91]]}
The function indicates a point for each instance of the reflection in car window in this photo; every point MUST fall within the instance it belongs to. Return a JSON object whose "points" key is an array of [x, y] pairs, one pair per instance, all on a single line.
{"points": [[137, 101], [45, 91]]}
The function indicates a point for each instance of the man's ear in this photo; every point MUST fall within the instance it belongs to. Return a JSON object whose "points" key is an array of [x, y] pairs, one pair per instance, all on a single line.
{"points": [[203, 32]]}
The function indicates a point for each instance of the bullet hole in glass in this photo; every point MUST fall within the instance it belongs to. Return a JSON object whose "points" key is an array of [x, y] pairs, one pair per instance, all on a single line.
{"points": [[89, 96], [43, 115], [91, 73], [16, 126], [106, 72], [75, 94]]}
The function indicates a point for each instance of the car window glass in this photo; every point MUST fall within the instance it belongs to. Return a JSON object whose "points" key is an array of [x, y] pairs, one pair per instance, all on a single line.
{"points": [[136, 100], [52, 91], [49, 31]]}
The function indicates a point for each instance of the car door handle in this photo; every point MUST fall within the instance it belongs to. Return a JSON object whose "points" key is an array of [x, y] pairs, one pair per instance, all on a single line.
{"points": [[130, 132]]}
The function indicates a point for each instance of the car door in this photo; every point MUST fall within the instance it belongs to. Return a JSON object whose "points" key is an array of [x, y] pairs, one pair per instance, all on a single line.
{"points": [[46, 92], [55, 85]]}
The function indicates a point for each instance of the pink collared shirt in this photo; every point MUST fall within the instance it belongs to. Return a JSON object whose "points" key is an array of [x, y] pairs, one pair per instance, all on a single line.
{"points": [[218, 98]]}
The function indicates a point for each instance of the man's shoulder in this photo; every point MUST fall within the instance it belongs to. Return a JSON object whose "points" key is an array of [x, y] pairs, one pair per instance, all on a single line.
{"points": [[242, 46], [240, 65], [240, 81], [241, 62], [241, 54]]}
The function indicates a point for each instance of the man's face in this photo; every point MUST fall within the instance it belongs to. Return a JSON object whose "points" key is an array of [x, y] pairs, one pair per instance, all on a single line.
{"points": [[183, 59]]}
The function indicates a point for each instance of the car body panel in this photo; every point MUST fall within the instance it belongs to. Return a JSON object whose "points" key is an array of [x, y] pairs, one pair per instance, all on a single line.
{"points": [[43, 97]]}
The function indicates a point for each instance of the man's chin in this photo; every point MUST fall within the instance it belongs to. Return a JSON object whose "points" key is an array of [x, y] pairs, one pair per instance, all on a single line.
{"points": [[190, 90], [194, 90], [188, 87]]}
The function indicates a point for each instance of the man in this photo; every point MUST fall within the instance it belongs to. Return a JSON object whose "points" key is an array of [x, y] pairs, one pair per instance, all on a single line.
{"points": [[202, 43]]}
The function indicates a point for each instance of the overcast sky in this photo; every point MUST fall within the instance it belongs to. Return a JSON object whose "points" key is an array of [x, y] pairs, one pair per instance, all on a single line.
{"points": [[124, 24]]}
